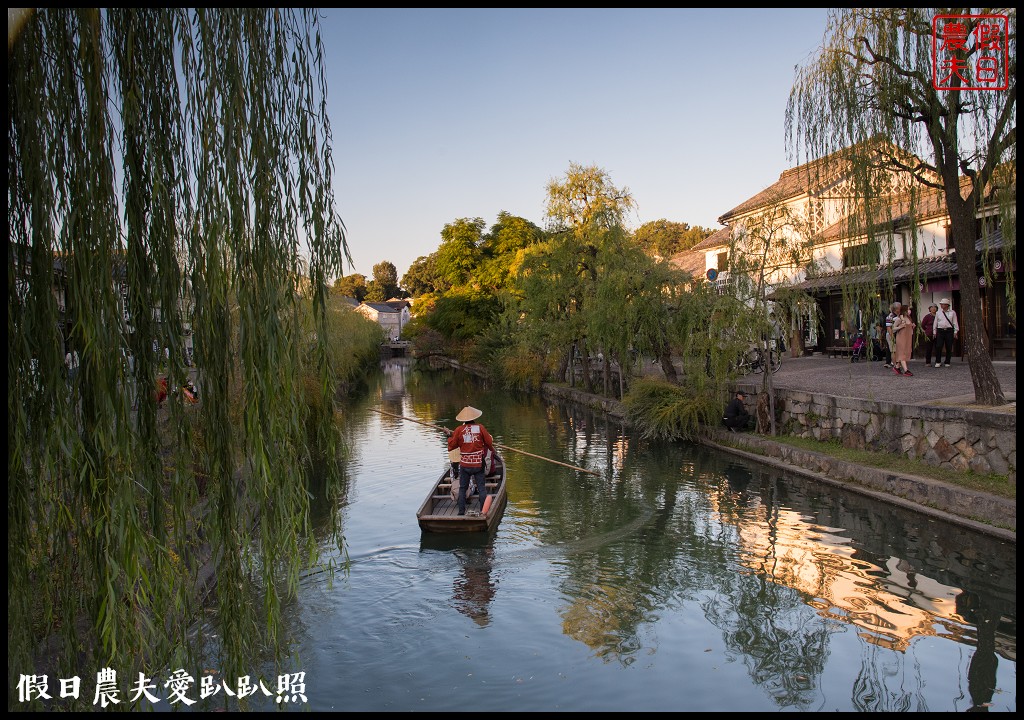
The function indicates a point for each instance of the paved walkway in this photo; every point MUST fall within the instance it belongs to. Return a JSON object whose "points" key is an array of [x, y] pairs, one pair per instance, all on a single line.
{"points": [[870, 381]]}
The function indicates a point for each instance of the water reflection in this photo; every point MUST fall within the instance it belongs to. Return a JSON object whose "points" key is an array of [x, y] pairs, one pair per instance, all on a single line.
{"points": [[981, 673], [762, 591], [863, 584], [738, 476], [473, 589]]}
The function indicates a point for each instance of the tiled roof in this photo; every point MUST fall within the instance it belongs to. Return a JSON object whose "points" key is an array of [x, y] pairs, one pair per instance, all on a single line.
{"points": [[899, 271], [719, 238], [691, 261], [381, 307], [928, 204], [796, 181]]}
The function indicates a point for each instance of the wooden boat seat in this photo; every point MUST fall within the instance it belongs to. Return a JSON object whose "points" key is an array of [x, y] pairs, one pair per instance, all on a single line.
{"points": [[446, 490]]}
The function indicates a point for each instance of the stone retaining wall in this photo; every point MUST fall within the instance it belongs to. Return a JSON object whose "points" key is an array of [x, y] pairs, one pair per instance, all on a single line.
{"points": [[957, 434], [952, 437]]}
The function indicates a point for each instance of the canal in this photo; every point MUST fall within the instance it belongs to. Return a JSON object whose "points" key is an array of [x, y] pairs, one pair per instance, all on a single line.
{"points": [[679, 579]]}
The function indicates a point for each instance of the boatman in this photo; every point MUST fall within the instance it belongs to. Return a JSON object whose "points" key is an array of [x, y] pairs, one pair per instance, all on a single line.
{"points": [[472, 440]]}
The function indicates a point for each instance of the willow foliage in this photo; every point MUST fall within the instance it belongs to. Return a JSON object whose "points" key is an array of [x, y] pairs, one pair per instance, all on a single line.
{"points": [[169, 171], [662, 410]]}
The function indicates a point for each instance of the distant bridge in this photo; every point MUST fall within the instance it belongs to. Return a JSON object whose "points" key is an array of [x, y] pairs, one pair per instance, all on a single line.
{"points": [[396, 348]]}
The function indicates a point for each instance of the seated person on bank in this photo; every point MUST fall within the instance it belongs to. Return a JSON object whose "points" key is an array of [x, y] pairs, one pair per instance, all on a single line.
{"points": [[736, 416]]}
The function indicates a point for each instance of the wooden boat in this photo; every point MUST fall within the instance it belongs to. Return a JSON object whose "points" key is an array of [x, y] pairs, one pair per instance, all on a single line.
{"points": [[440, 511]]}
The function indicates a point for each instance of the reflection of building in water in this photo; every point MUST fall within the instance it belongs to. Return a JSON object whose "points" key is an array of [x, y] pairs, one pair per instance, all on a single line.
{"points": [[473, 590], [890, 603], [619, 449], [393, 386], [882, 595]]}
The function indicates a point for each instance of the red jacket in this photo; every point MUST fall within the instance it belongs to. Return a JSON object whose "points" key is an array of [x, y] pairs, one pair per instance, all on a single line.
{"points": [[928, 325], [471, 439]]}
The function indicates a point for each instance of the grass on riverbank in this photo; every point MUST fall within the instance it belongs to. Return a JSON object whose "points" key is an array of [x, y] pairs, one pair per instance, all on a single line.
{"points": [[984, 482]]}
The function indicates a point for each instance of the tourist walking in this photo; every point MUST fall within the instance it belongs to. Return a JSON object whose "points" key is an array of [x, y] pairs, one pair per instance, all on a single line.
{"points": [[903, 334]]}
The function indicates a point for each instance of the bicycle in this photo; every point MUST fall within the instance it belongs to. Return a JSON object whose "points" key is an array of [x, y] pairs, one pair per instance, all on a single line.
{"points": [[753, 361]]}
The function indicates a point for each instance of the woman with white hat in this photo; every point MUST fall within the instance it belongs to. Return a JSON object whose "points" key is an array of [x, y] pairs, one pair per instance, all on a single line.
{"points": [[946, 331], [472, 440]]}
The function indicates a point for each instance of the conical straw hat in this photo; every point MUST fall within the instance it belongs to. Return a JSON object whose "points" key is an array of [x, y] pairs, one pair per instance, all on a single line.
{"points": [[468, 413]]}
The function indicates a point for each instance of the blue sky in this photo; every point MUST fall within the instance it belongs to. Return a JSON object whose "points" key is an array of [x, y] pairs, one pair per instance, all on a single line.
{"points": [[441, 114]]}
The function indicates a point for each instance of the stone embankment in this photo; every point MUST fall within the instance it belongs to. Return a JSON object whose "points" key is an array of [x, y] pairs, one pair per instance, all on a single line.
{"points": [[956, 438], [928, 427]]}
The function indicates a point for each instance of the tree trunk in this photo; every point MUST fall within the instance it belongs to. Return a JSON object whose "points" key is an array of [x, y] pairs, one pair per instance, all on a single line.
{"points": [[622, 380], [767, 394], [668, 368], [588, 382], [566, 363], [987, 390], [606, 372]]}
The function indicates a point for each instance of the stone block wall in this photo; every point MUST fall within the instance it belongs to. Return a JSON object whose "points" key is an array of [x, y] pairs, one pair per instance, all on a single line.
{"points": [[953, 437]]}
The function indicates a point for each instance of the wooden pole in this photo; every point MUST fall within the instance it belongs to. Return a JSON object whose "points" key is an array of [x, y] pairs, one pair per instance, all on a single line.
{"points": [[503, 447]]}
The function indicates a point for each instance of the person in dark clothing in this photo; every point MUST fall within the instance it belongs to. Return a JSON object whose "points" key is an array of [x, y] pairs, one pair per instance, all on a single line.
{"points": [[928, 328], [736, 416]]}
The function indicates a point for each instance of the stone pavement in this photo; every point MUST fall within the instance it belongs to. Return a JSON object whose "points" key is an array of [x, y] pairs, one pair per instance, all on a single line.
{"points": [[870, 381]]}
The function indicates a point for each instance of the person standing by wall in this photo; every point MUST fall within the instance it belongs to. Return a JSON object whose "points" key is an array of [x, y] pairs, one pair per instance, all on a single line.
{"points": [[947, 329], [928, 328]]}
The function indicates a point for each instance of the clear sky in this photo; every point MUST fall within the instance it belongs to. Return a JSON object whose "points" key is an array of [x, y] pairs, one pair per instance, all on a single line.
{"points": [[441, 114]]}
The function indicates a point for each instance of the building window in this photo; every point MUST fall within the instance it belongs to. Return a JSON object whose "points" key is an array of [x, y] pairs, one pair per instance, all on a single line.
{"points": [[985, 226], [723, 261], [856, 255]]}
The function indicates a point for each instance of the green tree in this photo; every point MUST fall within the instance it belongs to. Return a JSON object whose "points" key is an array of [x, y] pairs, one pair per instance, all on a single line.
{"points": [[421, 277], [384, 284], [585, 198], [463, 314], [459, 255], [353, 286], [873, 78], [547, 317], [663, 239], [628, 314], [184, 155], [763, 250], [579, 208], [503, 249]]}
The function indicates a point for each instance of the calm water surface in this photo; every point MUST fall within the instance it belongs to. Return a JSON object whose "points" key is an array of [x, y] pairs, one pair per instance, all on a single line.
{"points": [[679, 579]]}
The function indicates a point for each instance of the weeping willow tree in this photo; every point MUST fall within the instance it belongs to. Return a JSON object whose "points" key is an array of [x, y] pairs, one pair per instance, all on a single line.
{"points": [[579, 209], [872, 89], [169, 172], [763, 251]]}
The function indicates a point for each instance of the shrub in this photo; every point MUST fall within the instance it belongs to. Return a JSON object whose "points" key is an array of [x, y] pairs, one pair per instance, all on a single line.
{"points": [[663, 411]]}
